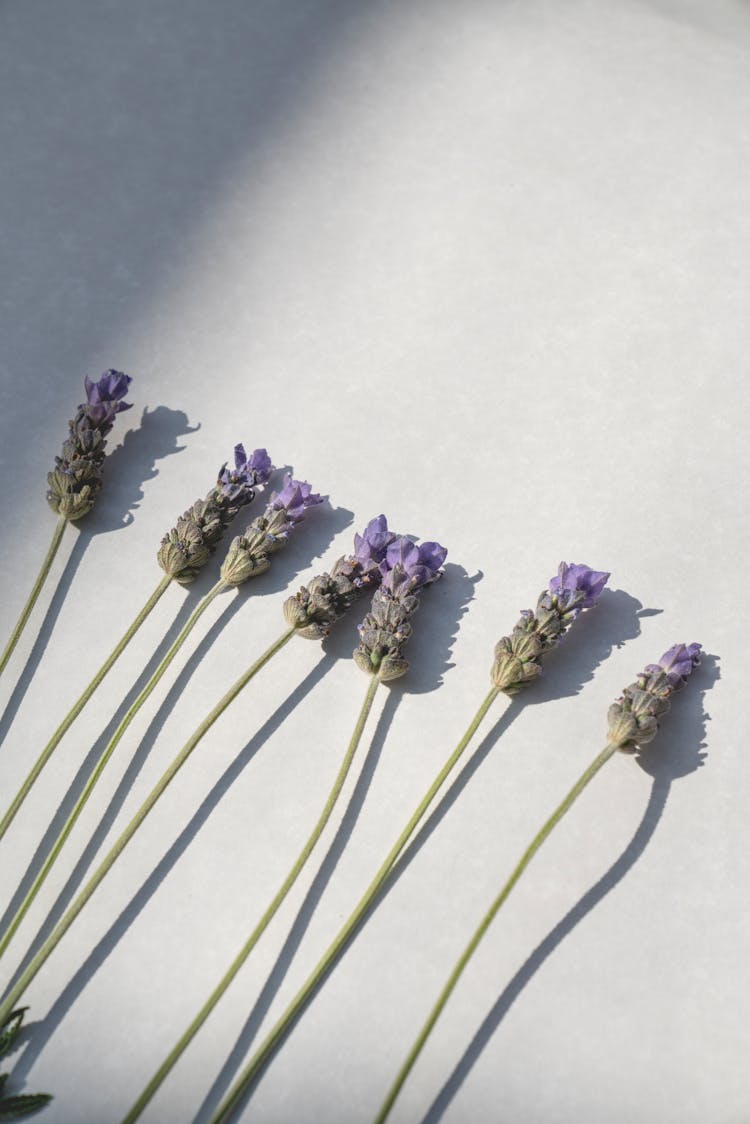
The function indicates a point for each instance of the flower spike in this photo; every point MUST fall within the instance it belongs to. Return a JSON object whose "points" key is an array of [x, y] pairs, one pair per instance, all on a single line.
{"points": [[406, 569], [518, 657], [76, 479], [320, 604], [634, 717]]}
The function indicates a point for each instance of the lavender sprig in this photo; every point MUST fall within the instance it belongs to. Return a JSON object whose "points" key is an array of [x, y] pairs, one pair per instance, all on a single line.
{"points": [[76, 480], [634, 717], [633, 722], [188, 546]]}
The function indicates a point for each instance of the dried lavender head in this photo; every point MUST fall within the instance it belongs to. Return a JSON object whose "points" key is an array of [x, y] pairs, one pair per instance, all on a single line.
{"points": [[634, 717], [518, 657], [190, 543], [247, 471], [75, 481], [318, 605], [407, 568], [249, 554]]}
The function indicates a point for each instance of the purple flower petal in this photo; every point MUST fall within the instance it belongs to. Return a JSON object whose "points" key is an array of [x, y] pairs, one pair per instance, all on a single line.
{"points": [[679, 661], [103, 397], [432, 555], [295, 497], [370, 547], [237, 484], [419, 563], [260, 462], [578, 577]]}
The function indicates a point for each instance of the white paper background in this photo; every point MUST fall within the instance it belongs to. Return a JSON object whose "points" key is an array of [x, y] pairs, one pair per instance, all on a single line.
{"points": [[482, 266]]}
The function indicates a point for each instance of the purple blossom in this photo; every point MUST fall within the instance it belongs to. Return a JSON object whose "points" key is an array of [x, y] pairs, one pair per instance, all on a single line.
{"points": [[370, 547], [259, 461], [421, 563], [294, 497], [105, 394], [678, 662], [575, 577], [247, 472]]}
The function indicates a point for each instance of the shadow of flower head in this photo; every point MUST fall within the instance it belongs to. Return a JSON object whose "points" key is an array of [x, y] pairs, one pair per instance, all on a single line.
{"points": [[132, 463]]}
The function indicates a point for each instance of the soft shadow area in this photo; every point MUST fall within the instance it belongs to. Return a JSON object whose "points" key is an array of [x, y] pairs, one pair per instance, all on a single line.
{"points": [[676, 752], [126, 469], [429, 650], [133, 462]]}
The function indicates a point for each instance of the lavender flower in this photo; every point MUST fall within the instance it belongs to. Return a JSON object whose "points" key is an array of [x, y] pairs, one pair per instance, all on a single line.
{"points": [[249, 554], [573, 577], [76, 479], [518, 657], [406, 569], [634, 717], [104, 396], [248, 471], [678, 662], [190, 543], [294, 497], [422, 562], [318, 605]]}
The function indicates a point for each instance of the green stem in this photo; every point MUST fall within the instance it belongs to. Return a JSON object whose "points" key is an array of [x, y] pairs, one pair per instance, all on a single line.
{"points": [[277, 1032], [121, 842], [485, 923], [101, 763], [265, 920], [15, 635], [76, 709]]}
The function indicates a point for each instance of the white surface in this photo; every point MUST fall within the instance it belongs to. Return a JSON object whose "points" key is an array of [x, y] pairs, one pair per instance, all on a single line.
{"points": [[481, 266]]}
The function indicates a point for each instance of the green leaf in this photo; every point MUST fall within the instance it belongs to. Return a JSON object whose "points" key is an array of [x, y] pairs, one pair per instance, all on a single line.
{"points": [[13, 1107], [10, 1029]]}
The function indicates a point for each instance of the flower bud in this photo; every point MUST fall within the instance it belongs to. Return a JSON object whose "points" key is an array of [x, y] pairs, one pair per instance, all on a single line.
{"points": [[242, 562]]}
